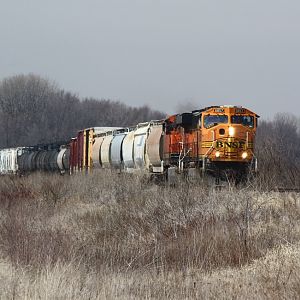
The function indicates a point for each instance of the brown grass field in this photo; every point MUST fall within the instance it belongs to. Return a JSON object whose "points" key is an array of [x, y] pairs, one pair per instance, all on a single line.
{"points": [[107, 236]]}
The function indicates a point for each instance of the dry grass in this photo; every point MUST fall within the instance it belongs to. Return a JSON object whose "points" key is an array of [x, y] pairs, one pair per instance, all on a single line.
{"points": [[107, 236]]}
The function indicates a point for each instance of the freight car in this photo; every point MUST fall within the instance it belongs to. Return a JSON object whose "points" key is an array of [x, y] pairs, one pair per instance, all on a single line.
{"points": [[84, 148], [9, 160], [217, 140], [47, 158]]}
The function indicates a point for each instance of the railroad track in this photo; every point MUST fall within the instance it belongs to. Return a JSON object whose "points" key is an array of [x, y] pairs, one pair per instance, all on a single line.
{"points": [[285, 190], [279, 189]]}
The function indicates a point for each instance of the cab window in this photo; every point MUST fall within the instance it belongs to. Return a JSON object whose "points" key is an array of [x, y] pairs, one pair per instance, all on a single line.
{"points": [[244, 120], [213, 120]]}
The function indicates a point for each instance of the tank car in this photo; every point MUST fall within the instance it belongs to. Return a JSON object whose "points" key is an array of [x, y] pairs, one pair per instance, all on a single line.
{"points": [[46, 158]]}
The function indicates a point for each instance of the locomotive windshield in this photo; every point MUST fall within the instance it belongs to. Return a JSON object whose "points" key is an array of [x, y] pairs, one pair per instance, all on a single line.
{"points": [[244, 120], [213, 120]]}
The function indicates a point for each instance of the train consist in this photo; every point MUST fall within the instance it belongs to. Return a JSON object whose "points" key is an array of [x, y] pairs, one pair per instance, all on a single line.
{"points": [[217, 140]]}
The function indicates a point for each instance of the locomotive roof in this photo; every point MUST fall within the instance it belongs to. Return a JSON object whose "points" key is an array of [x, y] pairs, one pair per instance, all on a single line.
{"points": [[223, 106]]}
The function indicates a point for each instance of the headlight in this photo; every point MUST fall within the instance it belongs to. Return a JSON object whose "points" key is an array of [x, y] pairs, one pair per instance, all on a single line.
{"points": [[231, 131], [244, 155], [217, 154]]}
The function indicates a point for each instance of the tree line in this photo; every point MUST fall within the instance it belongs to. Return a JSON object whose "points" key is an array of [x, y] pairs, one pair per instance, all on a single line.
{"points": [[278, 152], [34, 110]]}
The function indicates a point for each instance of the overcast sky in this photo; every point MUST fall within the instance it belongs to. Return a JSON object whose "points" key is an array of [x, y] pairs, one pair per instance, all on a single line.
{"points": [[160, 52]]}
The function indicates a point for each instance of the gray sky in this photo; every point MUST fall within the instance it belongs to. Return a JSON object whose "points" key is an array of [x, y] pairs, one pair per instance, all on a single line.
{"points": [[160, 52]]}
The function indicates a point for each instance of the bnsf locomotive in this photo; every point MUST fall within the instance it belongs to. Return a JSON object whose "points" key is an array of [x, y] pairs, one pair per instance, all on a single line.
{"points": [[218, 140]]}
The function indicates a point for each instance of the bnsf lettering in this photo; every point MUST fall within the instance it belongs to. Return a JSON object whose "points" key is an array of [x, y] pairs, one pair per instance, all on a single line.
{"points": [[219, 144], [234, 145]]}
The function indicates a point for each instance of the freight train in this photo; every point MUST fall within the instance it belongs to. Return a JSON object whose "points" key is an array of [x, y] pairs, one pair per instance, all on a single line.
{"points": [[216, 140]]}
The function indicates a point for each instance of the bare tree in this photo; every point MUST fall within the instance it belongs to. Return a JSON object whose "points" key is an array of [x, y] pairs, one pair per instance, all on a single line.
{"points": [[23, 99], [34, 110], [277, 148]]}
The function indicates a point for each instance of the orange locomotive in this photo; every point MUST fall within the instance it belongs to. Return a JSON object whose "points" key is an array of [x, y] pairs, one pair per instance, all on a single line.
{"points": [[216, 139]]}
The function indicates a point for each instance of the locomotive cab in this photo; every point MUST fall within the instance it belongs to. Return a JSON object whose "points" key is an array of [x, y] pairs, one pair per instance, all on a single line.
{"points": [[228, 134]]}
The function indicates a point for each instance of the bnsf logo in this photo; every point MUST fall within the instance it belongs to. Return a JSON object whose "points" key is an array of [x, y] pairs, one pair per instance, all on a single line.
{"points": [[235, 145]]}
